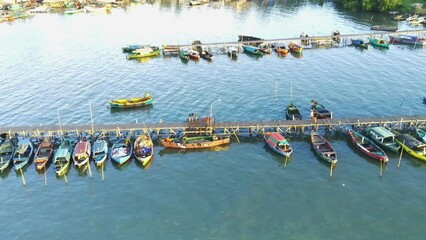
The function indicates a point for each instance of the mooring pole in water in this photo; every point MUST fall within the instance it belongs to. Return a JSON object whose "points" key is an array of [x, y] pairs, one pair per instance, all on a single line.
{"points": [[102, 167], [400, 156], [90, 169], [381, 168], [23, 178], [45, 175], [285, 163], [331, 169], [235, 134]]}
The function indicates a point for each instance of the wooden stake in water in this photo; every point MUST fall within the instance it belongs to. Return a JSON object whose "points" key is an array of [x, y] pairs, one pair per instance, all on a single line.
{"points": [[381, 168], [236, 137], [400, 156], [285, 163], [45, 175], [102, 167], [23, 178], [90, 170], [331, 169]]}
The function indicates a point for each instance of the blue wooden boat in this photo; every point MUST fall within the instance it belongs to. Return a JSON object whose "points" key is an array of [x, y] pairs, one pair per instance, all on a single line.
{"points": [[23, 153], [359, 43], [408, 39], [62, 157], [99, 151], [278, 143], [121, 151], [183, 54], [421, 134], [7, 150], [252, 50]]}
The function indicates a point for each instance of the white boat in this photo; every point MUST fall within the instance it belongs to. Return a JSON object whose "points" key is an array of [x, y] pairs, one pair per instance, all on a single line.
{"points": [[232, 51], [99, 151], [197, 2]]}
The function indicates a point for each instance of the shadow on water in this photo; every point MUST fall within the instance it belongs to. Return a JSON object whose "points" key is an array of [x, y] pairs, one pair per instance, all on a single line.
{"points": [[282, 160], [297, 55], [363, 156], [123, 166], [148, 166], [138, 109]]}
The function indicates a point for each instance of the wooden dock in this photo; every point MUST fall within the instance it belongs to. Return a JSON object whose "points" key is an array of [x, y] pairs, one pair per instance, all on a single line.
{"points": [[232, 127]]}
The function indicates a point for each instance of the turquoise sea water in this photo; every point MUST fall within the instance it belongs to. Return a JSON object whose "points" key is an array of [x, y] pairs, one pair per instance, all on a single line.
{"points": [[55, 63]]}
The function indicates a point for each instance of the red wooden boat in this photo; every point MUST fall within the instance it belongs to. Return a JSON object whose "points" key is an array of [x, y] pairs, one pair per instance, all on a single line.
{"points": [[194, 55], [367, 146], [44, 154]]}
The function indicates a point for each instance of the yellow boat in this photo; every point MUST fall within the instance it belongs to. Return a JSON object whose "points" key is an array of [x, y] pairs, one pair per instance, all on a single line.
{"points": [[412, 146], [131, 102]]}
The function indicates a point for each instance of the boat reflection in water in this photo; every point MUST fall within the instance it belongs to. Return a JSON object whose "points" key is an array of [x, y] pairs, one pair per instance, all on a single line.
{"points": [[119, 110], [148, 165], [166, 151], [297, 55]]}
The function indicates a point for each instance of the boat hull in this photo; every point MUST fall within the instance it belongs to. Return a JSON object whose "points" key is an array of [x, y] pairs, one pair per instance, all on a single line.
{"points": [[270, 144], [129, 103], [411, 151], [323, 148], [218, 142], [371, 149]]}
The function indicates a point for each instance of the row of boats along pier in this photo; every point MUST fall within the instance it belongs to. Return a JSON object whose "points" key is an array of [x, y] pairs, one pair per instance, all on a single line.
{"points": [[80, 145], [258, 47]]}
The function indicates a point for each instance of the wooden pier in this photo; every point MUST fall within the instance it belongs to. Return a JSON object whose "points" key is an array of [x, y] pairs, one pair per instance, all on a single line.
{"points": [[234, 127]]}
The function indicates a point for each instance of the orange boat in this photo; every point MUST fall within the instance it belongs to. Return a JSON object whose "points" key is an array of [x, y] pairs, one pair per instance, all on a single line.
{"points": [[294, 48], [43, 154], [196, 142]]}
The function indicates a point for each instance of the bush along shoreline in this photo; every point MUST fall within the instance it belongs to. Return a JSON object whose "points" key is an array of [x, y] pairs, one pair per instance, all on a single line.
{"points": [[403, 6]]}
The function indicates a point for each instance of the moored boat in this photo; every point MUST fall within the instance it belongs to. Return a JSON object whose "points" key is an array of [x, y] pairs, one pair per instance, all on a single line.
{"points": [[144, 149], [265, 48], [121, 151], [195, 142], [82, 152], [62, 157], [7, 150], [384, 138], [250, 39], [183, 54], [292, 112], [412, 146], [232, 52], [44, 154], [197, 2], [99, 151], [281, 49], [74, 10], [421, 134], [252, 50], [206, 54], [294, 48], [23, 153], [378, 42], [408, 39], [133, 47], [194, 55], [384, 28], [359, 43], [323, 148], [132, 102], [367, 146], [144, 52], [319, 111], [170, 50], [278, 143]]}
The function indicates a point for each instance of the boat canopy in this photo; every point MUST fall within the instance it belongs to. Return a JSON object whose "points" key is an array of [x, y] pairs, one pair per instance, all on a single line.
{"points": [[61, 153], [382, 132], [277, 139], [81, 148]]}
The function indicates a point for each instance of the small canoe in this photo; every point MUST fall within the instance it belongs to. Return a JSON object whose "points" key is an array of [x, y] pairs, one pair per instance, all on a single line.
{"points": [[44, 154], [196, 142], [278, 143], [194, 55], [144, 149], [252, 40], [323, 148], [359, 43], [281, 49], [170, 50], [81, 154], [150, 51], [412, 146], [408, 39], [294, 48], [384, 28], [62, 157], [131, 102], [121, 151], [384, 138], [232, 52], [205, 54], [421, 134], [99, 151], [265, 48], [197, 2], [23, 153], [378, 42], [183, 54], [366, 146], [292, 112], [252, 50], [319, 111], [7, 150]]}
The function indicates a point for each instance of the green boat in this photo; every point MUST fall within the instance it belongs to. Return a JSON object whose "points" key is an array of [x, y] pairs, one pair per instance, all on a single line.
{"points": [[144, 52], [62, 158], [384, 138], [378, 42], [183, 54]]}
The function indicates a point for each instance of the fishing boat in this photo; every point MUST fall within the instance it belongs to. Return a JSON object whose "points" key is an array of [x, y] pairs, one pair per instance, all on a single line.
{"points": [[292, 112], [132, 102], [252, 50], [121, 151], [232, 52], [278, 143], [170, 50], [335, 36], [367, 146], [7, 150], [378, 42], [323, 148], [194, 55], [195, 142], [144, 52], [206, 54], [144, 149], [359, 43], [318, 111], [23, 153], [250, 39], [384, 138], [183, 54], [99, 151], [408, 39], [281, 49], [265, 48], [384, 28], [43, 154], [294, 48], [412, 146], [197, 2], [81, 154], [421, 134], [62, 157], [133, 47]]}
